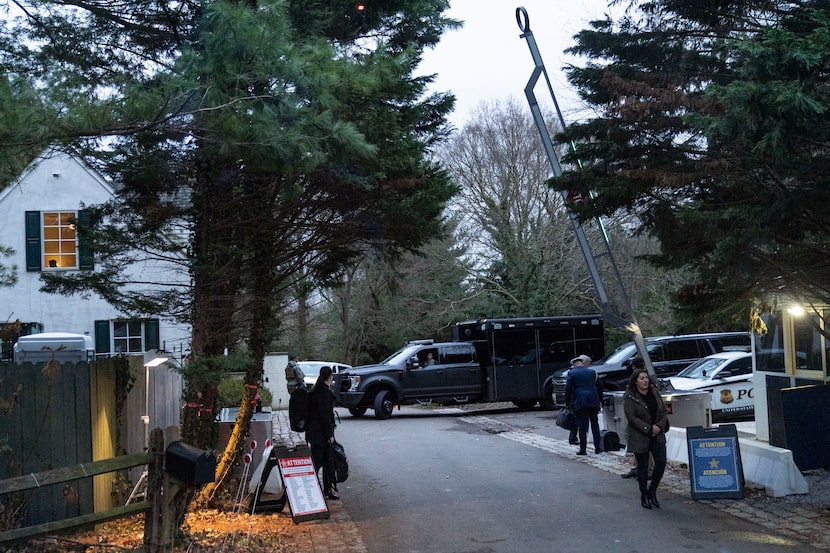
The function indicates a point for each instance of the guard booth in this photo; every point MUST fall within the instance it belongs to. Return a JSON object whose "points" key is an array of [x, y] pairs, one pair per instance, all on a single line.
{"points": [[792, 396]]}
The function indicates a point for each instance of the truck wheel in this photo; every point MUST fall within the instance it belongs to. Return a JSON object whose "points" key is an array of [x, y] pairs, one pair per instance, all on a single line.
{"points": [[357, 411], [547, 402], [525, 404], [383, 405]]}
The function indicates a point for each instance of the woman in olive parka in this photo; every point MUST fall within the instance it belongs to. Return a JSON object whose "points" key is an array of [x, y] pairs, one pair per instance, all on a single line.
{"points": [[647, 425]]}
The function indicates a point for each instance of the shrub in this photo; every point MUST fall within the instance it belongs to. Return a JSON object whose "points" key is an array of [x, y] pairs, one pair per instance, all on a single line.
{"points": [[231, 390]]}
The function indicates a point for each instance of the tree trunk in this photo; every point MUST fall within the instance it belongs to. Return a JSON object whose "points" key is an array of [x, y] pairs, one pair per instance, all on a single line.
{"points": [[256, 313], [215, 284]]}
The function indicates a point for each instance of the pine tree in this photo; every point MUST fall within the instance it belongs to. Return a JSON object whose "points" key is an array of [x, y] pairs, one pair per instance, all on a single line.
{"points": [[273, 133], [711, 128]]}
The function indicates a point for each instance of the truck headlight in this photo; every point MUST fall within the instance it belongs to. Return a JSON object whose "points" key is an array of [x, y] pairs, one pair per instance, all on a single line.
{"points": [[355, 381]]}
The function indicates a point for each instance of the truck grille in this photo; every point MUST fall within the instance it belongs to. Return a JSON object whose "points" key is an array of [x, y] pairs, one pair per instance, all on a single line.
{"points": [[341, 384]]}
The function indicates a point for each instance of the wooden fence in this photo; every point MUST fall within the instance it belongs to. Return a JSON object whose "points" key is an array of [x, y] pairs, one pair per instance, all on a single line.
{"points": [[65, 416], [164, 402], [152, 505]]}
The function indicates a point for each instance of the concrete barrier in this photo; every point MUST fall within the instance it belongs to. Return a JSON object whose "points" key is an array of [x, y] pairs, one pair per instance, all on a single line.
{"points": [[764, 466]]}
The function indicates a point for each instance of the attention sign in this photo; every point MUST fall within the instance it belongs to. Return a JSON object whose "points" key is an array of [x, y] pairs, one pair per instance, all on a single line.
{"points": [[305, 498], [715, 468]]}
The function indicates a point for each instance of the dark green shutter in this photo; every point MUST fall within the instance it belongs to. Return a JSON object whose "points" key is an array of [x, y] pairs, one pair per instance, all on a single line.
{"points": [[102, 336], [86, 260], [33, 260], [151, 334]]}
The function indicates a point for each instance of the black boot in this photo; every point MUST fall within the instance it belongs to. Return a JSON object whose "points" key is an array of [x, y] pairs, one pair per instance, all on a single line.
{"points": [[644, 501], [652, 497]]}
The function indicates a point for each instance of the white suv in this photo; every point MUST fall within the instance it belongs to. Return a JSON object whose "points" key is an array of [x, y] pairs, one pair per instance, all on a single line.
{"points": [[311, 369]]}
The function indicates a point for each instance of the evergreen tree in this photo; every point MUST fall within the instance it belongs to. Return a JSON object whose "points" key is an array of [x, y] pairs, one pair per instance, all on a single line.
{"points": [[8, 273], [25, 126], [711, 128], [276, 135], [385, 302]]}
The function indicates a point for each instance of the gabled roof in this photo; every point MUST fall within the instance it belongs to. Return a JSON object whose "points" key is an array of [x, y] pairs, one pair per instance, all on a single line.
{"points": [[49, 154]]}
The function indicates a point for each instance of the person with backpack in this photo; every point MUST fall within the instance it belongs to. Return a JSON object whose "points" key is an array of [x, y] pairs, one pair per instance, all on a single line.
{"points": [[293, 375], [319, 428]]}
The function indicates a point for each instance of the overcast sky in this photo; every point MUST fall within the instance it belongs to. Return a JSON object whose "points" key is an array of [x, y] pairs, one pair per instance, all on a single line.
{"points": [[486, 59]]}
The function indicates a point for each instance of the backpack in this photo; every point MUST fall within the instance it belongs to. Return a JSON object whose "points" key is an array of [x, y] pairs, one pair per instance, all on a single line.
{"points": [[339, 463], [298, 407]]}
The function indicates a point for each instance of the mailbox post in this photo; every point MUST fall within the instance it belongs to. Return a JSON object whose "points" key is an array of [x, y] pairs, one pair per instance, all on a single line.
{"points": [[189, 464], [186, 467]]}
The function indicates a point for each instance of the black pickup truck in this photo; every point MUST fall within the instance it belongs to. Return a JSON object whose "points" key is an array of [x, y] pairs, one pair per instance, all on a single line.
{"points": [[407, 377], [489, 360]]}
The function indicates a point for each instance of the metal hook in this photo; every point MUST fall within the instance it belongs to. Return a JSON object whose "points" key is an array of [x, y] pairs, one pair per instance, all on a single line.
{"points": [[523, 19]]}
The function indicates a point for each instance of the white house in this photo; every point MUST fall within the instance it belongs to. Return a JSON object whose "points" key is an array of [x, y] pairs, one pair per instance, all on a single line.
{"points": [[39, 211]]}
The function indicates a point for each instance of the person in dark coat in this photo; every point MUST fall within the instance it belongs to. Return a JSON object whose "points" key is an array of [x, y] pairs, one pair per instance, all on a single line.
{"points": [[647, 422], [293, 374], [319, 431], [636, 363], [573, 437], [583, 393]]}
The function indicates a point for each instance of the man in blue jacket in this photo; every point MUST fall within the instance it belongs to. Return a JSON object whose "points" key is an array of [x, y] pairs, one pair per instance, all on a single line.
{"points": [[579, 361], [583, 396]]}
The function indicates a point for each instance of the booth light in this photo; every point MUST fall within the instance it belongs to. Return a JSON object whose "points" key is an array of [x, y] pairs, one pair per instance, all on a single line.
{"points": [[796, 310]]}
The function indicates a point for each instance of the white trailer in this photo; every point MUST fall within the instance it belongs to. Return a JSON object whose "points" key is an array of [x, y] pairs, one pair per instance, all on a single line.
{"points": [[61, 346]]}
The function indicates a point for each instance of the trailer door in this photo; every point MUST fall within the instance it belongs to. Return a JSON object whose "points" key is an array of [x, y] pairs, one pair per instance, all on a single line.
{"points": [[516, 369], [557, 347]]}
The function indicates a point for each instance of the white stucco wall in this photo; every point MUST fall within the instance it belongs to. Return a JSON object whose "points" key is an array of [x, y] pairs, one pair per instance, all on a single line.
{"points": [[274, 368], [58, 182]]}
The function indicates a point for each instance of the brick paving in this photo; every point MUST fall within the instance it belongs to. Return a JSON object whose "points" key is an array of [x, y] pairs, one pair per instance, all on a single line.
{"points": [[802, 523], [337, 534]]}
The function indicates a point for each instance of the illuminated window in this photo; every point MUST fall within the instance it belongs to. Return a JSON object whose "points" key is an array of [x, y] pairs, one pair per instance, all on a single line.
{"points": [[769, 347], [60, 241], [808, 340], [53, 241]]}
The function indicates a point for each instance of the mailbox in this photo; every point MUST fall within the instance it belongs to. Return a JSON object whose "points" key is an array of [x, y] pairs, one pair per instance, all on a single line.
{"points": [[190, 464]]}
